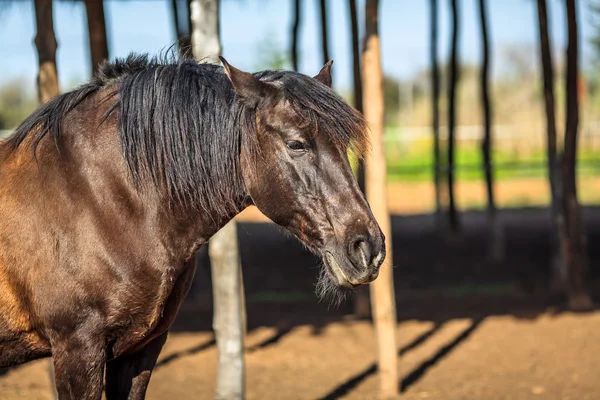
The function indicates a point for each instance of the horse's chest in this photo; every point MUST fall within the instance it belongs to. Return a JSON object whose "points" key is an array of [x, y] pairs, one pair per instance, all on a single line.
{"points": [[158, 315]]}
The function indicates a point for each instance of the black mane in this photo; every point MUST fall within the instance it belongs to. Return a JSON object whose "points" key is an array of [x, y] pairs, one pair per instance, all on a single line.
{"points": [[334, 117], [181, 126]]}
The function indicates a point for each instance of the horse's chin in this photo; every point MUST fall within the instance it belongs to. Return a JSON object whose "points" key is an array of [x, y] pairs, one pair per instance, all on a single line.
{"points": [[333, 285], [336, 271]]}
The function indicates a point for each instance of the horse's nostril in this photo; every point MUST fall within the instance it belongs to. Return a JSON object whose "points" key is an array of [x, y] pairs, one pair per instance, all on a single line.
{"points": [[362, 251]]}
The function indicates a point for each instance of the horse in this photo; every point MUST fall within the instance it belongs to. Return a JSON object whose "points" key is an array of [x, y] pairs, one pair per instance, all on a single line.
{"points": [[107, 191]]}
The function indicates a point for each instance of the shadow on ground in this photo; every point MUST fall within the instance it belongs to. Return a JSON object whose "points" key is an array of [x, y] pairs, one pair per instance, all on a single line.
{"points": [[413, 376], [436, 279]]}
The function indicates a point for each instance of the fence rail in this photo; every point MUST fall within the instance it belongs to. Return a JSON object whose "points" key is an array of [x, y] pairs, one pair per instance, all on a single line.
{"points": [[475, 132], [587, 165]]}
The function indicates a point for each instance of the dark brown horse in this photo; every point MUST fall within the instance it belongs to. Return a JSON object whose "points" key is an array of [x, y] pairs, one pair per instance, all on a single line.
{"points": [[106, 193]]}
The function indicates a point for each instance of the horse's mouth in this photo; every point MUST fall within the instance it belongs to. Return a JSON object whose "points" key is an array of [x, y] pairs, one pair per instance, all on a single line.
{"points": [[336, 271]]}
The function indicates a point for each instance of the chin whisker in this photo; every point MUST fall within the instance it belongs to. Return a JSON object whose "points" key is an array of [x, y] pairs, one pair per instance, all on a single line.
{"points": [[327, 291]]}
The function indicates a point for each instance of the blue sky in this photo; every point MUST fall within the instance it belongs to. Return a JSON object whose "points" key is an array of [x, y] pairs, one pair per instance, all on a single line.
{"points": [[146, 26]]}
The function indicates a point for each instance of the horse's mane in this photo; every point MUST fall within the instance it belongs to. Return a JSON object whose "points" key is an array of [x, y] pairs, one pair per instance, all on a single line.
{"points": [[181, 126], [334, 117]]}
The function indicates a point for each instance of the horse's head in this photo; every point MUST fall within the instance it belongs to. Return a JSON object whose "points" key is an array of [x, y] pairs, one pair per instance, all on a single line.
{"points": [[296, 170]]}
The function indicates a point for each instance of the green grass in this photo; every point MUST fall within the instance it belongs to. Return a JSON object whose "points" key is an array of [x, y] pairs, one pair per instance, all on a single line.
{"points": [[414, 162]]}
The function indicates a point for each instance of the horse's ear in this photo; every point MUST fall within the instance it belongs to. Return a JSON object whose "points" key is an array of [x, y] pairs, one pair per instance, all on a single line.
{"points": [[324, 75], [252, 91]]}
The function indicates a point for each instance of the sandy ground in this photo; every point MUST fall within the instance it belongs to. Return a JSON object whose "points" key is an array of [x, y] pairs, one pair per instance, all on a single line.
{"points": [[513, 345], [545, 356]]}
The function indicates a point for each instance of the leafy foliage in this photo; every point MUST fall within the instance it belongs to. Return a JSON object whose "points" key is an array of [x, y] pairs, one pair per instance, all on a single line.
{"points": [[16, 103], [594, 6], [272, 55]]}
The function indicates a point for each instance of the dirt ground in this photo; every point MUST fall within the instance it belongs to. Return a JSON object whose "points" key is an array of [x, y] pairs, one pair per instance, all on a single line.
{"points": [[542, 354], [468, 329]]}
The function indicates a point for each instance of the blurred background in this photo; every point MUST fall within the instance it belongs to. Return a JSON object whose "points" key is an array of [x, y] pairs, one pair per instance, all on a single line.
{"points": [[485, 306], [256, 35]]}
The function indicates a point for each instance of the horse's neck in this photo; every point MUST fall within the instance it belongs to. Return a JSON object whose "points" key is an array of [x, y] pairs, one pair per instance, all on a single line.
{"points": [[189, 230]]}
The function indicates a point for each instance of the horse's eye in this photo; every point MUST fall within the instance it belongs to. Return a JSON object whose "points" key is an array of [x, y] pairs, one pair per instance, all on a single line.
{"points": [[295, 145]]}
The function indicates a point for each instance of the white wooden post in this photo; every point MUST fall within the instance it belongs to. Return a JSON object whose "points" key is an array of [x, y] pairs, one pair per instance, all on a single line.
{"points": [[229, 318]]}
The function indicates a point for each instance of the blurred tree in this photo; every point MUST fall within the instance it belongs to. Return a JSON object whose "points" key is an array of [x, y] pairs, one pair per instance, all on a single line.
{"points": [[594, 6], [519, 63], [46, 45], [204, 22], [16, 103], [391, 99], [229, 319], [382, 289], [453, 73], [181, 23], [357, 79], [559, 234], [97, 32], [576, 251], [324, 29], [496, 236], [295, 33], [435, 107], [273, 56]]}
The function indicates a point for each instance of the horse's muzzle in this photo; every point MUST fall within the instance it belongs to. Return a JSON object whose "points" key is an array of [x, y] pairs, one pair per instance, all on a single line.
{"points": [[359, 264]]}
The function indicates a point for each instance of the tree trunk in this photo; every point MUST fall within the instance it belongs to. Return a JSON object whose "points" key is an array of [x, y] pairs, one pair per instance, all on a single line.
{"points": [[435, 107], [228, 323], [229, 319], [496, 250], [382, 289], [559, 239], [358, 89], [355, 56], [204, 17], [190, 24], [325, 41], [45, 42], [576, 252], [453, 82], [97, 33], [295, 33], [182, 32]]}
